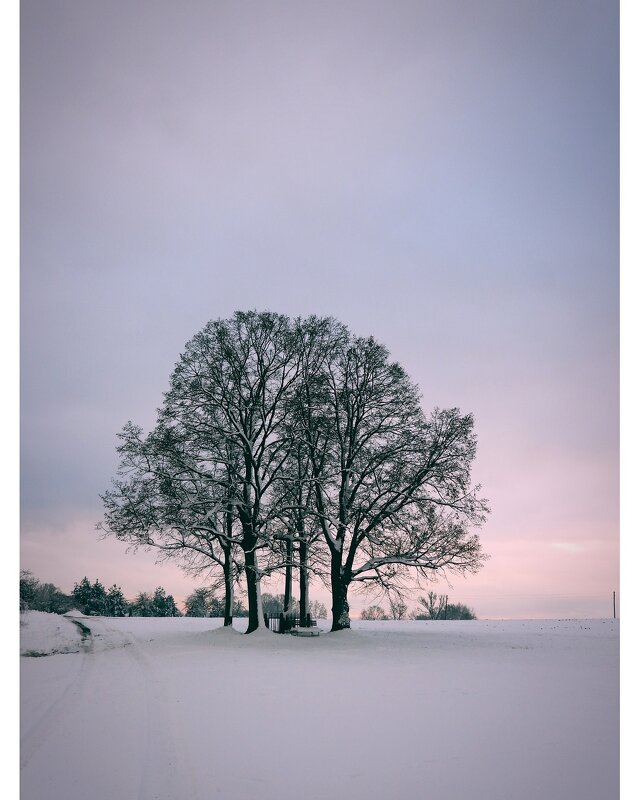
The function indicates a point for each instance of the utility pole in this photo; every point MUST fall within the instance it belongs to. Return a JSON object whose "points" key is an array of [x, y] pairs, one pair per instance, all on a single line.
{"points": [[614, 605], [446, 606]]}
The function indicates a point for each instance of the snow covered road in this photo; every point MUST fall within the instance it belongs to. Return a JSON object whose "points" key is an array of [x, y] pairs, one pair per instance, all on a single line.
{"points": [[179, 709], [100, 724]]}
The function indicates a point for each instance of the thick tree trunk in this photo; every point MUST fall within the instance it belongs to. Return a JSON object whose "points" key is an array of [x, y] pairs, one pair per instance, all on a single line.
{"points": [[339, 588], [304, 581], [228, 568], [253, 590], [288, 581], [228, 588]]}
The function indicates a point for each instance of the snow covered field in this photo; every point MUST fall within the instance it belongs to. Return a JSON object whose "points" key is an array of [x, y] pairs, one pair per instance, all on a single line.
{"points": [[180, 709]]}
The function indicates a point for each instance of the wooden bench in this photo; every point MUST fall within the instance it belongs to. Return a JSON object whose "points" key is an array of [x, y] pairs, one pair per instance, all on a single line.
{"points": [[305, 632]]}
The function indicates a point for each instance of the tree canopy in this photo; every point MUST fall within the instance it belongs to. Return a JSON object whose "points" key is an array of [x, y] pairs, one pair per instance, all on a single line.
{"points": [[287, 444]]}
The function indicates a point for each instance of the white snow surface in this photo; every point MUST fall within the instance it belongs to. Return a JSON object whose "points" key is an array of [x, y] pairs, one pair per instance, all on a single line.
{"points": [[182, 709]]}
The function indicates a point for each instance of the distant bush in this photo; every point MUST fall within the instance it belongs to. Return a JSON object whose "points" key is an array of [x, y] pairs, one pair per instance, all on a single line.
{"points": [[36, 596], [373, 612], [90, 598], [158, 604], [317, 610], [435, 606], [28, 586], [203, 602], [460, 611]]}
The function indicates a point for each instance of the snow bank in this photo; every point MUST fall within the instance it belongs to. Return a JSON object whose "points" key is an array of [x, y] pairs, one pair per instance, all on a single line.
{"points": [[43, 634]]}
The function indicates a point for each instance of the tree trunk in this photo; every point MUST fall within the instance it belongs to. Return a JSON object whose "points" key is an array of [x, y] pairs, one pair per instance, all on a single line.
{"points": [[304, 580], [228, 568], [228, 588], [288, 582], [339, 588], [253, 590]]}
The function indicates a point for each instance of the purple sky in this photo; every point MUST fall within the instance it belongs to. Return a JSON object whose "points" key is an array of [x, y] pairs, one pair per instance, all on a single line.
{"points": [[441, 175]]}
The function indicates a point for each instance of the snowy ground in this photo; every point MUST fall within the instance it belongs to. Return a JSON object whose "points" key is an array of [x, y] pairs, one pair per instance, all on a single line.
{"points": [[179, 709]]}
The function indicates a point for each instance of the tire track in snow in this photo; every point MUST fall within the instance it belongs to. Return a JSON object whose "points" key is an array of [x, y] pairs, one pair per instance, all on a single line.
{"points": [[160, 758], [32, 739], [167, 771]]}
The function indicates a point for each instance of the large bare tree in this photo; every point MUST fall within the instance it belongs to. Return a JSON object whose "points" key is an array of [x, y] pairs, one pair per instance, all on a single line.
{"points": [[274, 432], [228, 399], [393, 488]]}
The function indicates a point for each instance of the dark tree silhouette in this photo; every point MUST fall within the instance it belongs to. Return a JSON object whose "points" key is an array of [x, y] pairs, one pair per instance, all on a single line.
{"points": [[91, 598], [164, 500], [276, 435], [392, 488]]}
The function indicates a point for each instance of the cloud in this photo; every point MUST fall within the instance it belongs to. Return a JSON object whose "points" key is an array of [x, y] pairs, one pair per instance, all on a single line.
{"points": [[570, 547]]}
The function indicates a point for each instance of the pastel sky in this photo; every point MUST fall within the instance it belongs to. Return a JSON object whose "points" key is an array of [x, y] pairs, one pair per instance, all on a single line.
{"points": [[441, 175]]}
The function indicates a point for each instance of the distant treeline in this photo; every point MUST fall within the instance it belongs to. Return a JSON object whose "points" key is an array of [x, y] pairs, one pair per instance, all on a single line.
{"points": [[95, 599], [204, 602], [433, 606]]}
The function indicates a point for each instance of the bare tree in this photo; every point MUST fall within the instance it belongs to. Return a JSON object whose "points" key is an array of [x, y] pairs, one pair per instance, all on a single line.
{"points": [[398, 609], [433, 605], [227, 399], [373, 613], [392, 488], [275, 435], [165, 500], [296, 507]]}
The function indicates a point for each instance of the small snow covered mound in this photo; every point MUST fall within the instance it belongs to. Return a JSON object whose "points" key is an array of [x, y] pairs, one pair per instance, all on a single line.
{"points": [[43, 634], [74, 613]]}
